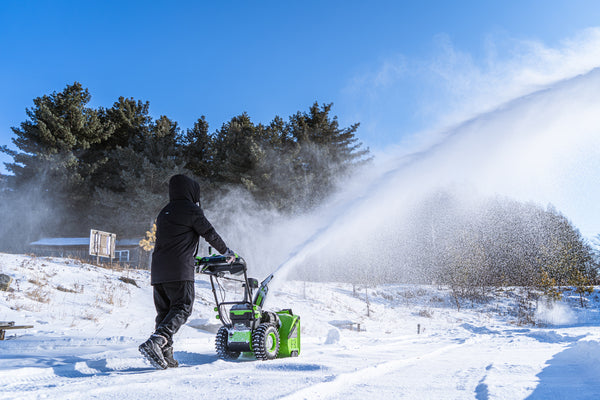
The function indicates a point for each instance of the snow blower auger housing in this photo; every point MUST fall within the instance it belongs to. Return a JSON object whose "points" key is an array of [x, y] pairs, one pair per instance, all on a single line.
{"points": [[247, 328]]}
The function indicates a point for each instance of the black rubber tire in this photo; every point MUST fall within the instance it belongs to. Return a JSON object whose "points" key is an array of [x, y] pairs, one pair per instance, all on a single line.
{"points": [[221, 345], [265, 342]]}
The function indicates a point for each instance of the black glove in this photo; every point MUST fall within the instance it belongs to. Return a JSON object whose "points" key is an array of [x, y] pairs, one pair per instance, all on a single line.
{"points": [[230, 254]]}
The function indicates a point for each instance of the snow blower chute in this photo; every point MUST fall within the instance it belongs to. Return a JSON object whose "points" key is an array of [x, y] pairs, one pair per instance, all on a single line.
{"points": [[247, 328]]}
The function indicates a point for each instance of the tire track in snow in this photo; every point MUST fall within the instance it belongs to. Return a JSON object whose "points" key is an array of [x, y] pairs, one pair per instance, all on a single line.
{"points": [[337, 383]]}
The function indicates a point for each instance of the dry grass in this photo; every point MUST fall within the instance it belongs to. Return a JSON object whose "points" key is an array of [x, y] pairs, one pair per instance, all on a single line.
{"points": [[39, 295], [89, 316], [76, 288], [113, 294], [61, 288], [35, 281], [28, 264]]}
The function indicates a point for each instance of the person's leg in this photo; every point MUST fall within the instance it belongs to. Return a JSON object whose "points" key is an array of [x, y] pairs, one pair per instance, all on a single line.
{"points": [[162, 304], [181, 298], [158, 348]]}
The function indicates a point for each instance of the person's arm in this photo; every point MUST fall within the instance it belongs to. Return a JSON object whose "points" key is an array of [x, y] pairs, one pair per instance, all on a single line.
{"points": [[205, 229]]}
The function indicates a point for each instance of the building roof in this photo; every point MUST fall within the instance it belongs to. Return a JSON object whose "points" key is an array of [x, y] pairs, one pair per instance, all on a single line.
{"points": [[62, 242], [80, 241]]}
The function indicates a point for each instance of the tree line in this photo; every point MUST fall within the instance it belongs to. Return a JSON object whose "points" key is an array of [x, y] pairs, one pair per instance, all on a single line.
{"points": [[78, 166], [468, 244]]}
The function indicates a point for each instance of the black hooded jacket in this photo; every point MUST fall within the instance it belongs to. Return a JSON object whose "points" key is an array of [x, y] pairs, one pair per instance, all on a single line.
{"points": [[177, 229]]}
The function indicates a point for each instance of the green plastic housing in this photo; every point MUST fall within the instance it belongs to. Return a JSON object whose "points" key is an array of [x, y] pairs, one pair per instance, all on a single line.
{"points": [[289, 334]]}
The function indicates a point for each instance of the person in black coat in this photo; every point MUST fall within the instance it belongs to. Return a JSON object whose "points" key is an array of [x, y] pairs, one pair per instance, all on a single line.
{"points": [[178, 228]]}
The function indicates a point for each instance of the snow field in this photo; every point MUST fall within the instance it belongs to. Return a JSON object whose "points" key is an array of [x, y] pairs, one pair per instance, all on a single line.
{"points": [[85, 337]]}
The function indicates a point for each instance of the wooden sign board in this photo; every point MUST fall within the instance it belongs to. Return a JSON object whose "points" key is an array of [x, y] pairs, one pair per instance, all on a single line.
{"points": [[102, 244]]}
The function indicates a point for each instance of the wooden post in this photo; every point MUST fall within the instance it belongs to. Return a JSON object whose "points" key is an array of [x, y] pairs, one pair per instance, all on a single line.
{"points": [[5, 325]]}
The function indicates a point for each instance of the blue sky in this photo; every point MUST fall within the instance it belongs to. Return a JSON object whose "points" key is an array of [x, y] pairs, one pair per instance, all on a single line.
{"points": [[390, 65]]}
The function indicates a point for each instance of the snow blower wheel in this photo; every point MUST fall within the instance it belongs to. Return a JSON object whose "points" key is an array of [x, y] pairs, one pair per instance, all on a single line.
{"points": [[265, 342], [221, 345]]}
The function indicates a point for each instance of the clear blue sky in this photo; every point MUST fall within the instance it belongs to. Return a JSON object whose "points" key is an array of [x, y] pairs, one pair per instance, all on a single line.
{"points": [[267, 58]]}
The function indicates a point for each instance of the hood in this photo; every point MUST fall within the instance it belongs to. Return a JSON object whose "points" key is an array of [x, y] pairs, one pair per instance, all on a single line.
{"points": [[183, 188]]}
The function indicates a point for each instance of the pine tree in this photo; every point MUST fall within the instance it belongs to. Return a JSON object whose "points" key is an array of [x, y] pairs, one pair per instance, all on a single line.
{"points": [[144, 169], [131, 124], [109, 168], [56, 158], [60, 129], [197, 148], [325, 152], [236, 152]]}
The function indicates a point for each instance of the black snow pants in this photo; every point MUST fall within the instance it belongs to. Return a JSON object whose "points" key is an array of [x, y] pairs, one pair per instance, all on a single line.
{"points": [[173, 302]]}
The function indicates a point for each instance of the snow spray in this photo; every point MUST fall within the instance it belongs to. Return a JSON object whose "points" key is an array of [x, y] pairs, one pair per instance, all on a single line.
{"points": [[542, 148]]}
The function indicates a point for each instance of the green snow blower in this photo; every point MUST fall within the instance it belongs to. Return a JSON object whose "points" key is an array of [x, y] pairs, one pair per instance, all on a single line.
{"points": [[247, 328]]}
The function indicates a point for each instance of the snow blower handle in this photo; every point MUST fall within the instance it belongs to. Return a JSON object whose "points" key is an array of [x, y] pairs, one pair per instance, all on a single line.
{"points": [[217, 265]]}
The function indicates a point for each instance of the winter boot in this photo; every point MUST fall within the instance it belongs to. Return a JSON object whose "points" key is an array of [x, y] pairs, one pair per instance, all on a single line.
{"points": [[168, 355], [152, 349]]}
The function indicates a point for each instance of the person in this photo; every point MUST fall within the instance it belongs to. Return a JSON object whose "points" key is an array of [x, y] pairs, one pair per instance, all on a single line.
{"points": [[178, 228]]}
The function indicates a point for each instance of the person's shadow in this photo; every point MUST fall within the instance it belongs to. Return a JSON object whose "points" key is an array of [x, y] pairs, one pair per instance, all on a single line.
{"points": [[185, 358]]}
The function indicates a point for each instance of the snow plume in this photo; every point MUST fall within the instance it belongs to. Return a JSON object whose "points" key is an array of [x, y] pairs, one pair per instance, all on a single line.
{"points": [[509, 68], [533, 136], [25, 217], [448, 85], [554, 313], [262, 236], [543, 148], [259, 232]]}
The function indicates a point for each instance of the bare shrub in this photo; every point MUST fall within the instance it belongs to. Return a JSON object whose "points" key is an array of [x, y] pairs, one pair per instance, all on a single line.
{"points": [[39, 295], [89, 316], [67, 290]]}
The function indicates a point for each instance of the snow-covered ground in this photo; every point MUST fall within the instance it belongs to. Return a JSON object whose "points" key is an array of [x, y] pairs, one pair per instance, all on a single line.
{"points": [[414, 343]]}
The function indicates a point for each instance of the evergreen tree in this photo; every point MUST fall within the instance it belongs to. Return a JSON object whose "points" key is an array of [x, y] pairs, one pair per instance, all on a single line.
{"points": [[108, 168], [565, 255], [59, 131], [144, 169], [274, 177], [131, 124], [325, 152], [55, 158], [237, 151], [197, 149]]}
